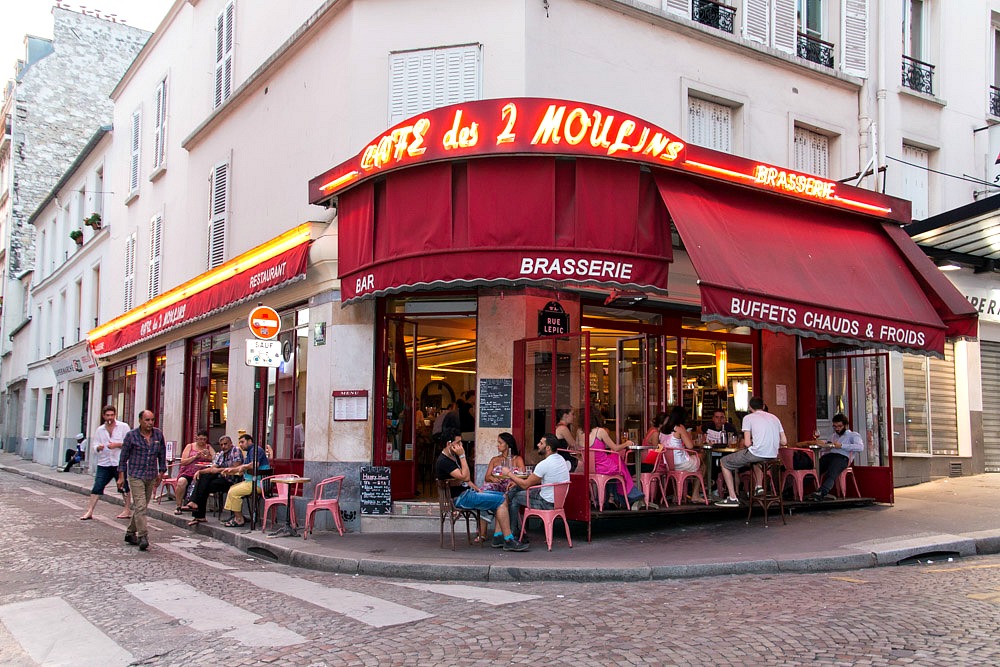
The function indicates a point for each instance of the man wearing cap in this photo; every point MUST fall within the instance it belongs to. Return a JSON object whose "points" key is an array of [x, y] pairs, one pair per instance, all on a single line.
{"points": [[74, 456], [107, 445]]}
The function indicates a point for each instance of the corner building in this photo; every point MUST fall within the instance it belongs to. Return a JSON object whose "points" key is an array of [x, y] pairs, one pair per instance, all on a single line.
{"points": [[477, 181]]}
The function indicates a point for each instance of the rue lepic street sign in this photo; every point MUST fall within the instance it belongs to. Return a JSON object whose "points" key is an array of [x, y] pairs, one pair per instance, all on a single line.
{"points": [[264, 351]]}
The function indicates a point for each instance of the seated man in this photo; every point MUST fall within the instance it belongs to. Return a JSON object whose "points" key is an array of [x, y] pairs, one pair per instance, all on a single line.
{"points": [[762, 435], [219, 477], [552, 469], [834, 461], [74, 456], [254, 459], [453, 466], [719, 430]]}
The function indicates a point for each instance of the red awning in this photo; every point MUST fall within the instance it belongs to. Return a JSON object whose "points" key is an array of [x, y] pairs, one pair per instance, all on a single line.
{"points": [[775, 263]]}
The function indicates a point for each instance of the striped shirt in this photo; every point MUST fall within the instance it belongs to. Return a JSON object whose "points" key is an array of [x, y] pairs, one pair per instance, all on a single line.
{"points": [[143, 459]]}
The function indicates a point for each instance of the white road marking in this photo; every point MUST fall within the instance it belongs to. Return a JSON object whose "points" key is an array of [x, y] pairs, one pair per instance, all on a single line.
{"points": [[66, 503], [182, 552], [490, 596], [366, 609], [205, 613], [31, 490], [53, 633]]}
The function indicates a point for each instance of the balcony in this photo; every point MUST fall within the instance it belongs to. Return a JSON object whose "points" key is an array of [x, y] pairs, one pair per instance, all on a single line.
{"points": [[918, 75], [995, 100], [815, 50], [713, 14]]}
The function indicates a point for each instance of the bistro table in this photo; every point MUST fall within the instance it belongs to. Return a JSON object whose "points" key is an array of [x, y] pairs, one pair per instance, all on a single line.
{"points": [[817, 447], [638, 459], [288, 530], [715, 454]]}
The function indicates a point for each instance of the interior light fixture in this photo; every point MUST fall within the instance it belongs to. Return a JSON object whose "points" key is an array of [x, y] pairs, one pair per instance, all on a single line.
{"points": [[947, 265]]}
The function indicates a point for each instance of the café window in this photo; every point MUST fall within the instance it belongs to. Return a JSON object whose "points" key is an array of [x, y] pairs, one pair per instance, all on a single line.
{"points": [[930, 415], [208, 389], [157, 379], [286, 388], [119, 390]]}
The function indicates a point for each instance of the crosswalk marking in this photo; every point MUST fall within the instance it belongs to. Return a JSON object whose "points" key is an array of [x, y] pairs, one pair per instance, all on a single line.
{"points": [[181, 550], [31, 490], [42, 627], [205, 613], [490, 596], [366, 609], [66, 503]]}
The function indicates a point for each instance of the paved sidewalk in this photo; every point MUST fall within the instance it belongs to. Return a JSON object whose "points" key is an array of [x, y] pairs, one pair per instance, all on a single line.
{"points": [[948, 515]]}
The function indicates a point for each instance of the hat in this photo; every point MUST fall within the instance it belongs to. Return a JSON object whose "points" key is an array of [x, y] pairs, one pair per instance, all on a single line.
{"points": [[80, 436]]}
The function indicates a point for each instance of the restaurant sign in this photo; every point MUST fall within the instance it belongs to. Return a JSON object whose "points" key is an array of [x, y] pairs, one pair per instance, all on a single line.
{"points": [[73, 363]]}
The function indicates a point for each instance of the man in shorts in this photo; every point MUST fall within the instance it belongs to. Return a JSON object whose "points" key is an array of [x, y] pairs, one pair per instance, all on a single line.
{"points": [[453, 466], [107, 444], [762, 435]]}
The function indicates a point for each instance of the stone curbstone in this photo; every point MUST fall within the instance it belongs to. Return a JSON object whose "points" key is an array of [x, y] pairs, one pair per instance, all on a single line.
{"points": [[511, 573], [691, 570], [426, 571], [833, 563]]}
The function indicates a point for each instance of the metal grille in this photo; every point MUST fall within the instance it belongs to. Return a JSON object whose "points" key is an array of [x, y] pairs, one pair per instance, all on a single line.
{"points": [[918, 75], [713, 14]]}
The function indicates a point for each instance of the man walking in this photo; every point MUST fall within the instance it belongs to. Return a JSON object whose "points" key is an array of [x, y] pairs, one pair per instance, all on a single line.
{"points": [[144, 461], [844, 444], [107, 443]]}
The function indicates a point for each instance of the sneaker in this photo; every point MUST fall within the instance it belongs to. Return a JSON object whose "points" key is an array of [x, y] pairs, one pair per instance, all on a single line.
{"points": [[758, 491], [497, 542], [652, 506], [638, 505], [143, 543], [513, 545], [829, 496], [814, 497], [131, 538], [728, 502]]}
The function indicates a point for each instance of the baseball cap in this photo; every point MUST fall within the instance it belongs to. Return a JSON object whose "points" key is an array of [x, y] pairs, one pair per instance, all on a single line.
{"points": [[80, 436]]}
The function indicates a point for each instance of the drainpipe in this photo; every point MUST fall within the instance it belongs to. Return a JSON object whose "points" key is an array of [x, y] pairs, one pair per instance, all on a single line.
{"points": [[880, 94]]}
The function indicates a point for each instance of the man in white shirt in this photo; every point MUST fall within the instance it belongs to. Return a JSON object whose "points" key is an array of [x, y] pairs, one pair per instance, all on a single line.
{"points": [[107, 445], [762, 435], [552, 469], [842, 448]]}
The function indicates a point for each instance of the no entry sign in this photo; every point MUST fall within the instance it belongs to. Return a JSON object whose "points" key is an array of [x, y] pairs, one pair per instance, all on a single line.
{"points": [[264, 322]]}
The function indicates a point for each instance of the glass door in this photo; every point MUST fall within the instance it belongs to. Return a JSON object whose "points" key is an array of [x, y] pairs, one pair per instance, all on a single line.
{"points": [[635, 367]]}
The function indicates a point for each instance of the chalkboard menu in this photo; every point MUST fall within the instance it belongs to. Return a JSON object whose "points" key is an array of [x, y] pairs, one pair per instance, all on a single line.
{"points": [[712, 400], [493, 402], [376, 490]]}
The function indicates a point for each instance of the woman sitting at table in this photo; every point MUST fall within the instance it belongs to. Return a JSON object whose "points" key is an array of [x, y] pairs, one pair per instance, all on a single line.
{"points": [[196, 455], [507, 457], [611, 462], [652, 440], [675, 435]]}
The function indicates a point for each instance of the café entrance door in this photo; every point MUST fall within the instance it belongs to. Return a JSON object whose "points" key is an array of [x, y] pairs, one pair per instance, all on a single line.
{"points": [[640, 374]]}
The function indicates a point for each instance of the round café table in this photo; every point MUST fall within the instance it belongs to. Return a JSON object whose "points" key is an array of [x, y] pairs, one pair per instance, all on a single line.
{"points": [[288, 530]]}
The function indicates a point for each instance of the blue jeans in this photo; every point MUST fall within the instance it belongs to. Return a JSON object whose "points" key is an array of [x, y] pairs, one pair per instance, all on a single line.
{"points": [[485, 501], [517, 503]]}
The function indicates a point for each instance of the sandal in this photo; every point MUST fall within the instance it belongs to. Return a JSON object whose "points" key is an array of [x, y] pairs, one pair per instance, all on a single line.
{"points": [[179, 510], [232, 523], [194, 522], [479, 539]]}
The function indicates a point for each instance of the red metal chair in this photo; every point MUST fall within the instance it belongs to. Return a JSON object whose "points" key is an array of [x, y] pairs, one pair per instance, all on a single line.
{"points": [[549, 517], [680, 478], [787, 457], [282, 498], [320, 503], [599, 482], [168, 482], [840, 486], [653, 482]]}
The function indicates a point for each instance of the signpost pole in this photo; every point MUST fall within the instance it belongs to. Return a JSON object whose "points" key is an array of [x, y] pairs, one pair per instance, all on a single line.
{"points": [[264, 323], [255, 431]]}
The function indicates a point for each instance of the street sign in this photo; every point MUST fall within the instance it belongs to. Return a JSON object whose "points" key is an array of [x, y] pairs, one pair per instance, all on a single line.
{"points": [[264, 353], [264, 322]]}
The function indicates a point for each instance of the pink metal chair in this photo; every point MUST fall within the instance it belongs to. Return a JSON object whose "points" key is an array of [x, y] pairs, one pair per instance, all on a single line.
{"points": [[680, 478], [549, 517], [320, 503], [787, 457], [599, 482], [840, 486], [282, 498], [169, 482]]}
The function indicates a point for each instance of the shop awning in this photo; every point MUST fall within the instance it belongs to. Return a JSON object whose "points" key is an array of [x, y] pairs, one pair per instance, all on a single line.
{"points": [[771, 262], [263, 269]]}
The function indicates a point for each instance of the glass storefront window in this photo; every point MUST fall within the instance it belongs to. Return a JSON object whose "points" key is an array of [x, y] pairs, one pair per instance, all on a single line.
{"points": [[286, 388], [928, 422], [119, 390], [208, 388]]}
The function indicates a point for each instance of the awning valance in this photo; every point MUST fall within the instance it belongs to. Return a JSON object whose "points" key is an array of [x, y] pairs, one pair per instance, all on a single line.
{"points": [[775, 263]]}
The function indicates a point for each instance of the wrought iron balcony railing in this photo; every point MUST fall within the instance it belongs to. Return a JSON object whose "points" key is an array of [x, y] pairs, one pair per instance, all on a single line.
{"points": [[815, 50], [918, 75], [995, 100], [713, 14]]}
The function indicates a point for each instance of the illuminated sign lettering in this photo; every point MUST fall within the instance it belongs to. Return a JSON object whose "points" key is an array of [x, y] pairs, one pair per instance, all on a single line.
{"points": [[791, 182]]}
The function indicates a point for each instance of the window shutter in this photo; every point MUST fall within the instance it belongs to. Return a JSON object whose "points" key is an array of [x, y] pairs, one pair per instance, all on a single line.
{"points": [[915, 423], [854, 43], [756, 19], [225, 27], [710, 124], [811, 152], [423, 80], [133, 174], [160, 122], [155, 250], [129, 292], [915, 180], [680, 7], [218, 214], [944, 408], [785, 21]]}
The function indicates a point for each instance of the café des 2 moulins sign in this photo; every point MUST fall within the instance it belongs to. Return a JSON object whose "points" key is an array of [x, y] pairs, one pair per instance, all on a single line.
{"points": [[553, 320]]}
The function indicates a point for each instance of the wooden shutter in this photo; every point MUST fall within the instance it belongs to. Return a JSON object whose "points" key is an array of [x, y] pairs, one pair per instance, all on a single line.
{"points": [[811, 152], [944, 409], [225, 27], [680, 7], [424, 80], [710, 124], [785, 22], [160, 125], [155, 252], [129, 291], [854, 38], [990, 364], [915, 180], [218, 214], [915, 426], [756, 20], [133, 172]]}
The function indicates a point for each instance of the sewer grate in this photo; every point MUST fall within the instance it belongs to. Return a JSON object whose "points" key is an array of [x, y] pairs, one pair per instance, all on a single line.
{"points": [[931, 558]]}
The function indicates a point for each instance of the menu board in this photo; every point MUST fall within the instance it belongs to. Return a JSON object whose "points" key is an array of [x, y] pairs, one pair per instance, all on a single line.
{"points": [[493, 402], [376, 490], [712, 400], [351, 405]]}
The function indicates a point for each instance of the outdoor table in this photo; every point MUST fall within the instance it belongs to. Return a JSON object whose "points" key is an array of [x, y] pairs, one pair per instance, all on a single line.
{"points": [[288, 530], [714, 454], [817, 447], [638, 459]]}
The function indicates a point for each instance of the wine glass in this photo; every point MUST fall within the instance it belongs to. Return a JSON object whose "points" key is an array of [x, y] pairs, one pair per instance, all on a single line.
{"points": [[816, 434]]}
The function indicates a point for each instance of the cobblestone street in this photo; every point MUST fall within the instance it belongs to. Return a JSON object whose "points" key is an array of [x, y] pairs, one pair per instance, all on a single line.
{"points": [[191, 600]]}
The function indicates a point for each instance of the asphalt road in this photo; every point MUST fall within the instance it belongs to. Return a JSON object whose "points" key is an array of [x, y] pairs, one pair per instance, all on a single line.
{"points": [[73, 593]]}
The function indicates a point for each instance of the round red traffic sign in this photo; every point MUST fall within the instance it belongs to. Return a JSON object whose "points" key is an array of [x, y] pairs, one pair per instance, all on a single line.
{"points": [[264, 322]]}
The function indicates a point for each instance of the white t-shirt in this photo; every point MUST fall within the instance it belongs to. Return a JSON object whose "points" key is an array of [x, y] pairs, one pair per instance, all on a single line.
{"points": [[765, 433], [552, 469], [109, 457]]}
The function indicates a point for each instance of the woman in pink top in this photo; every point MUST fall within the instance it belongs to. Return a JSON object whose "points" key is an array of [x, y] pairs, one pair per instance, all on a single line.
{"points": [[610, 462], [195, 456]]}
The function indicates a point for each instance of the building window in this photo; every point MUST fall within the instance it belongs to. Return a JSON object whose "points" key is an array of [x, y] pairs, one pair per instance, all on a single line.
{"points": [[160, 125], [915, 176], [995, 88], [431, 78], [47, 412], [286, 385], [225, 26], [771, 22], [218, 215], [710, 124], [810, 43], [134, 144], [155, 250], [208, 387], [918, 73], [119, 389], [811, 152], [930, 419], [129, 287]]}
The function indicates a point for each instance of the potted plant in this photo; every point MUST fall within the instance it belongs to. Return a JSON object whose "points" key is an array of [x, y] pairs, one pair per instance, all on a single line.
{"points": [[93, 221], [77, 235]]}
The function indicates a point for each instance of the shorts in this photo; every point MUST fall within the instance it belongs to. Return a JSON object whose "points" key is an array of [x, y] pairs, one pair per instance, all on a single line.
{"points": [[104, 475], [737, 460]]}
